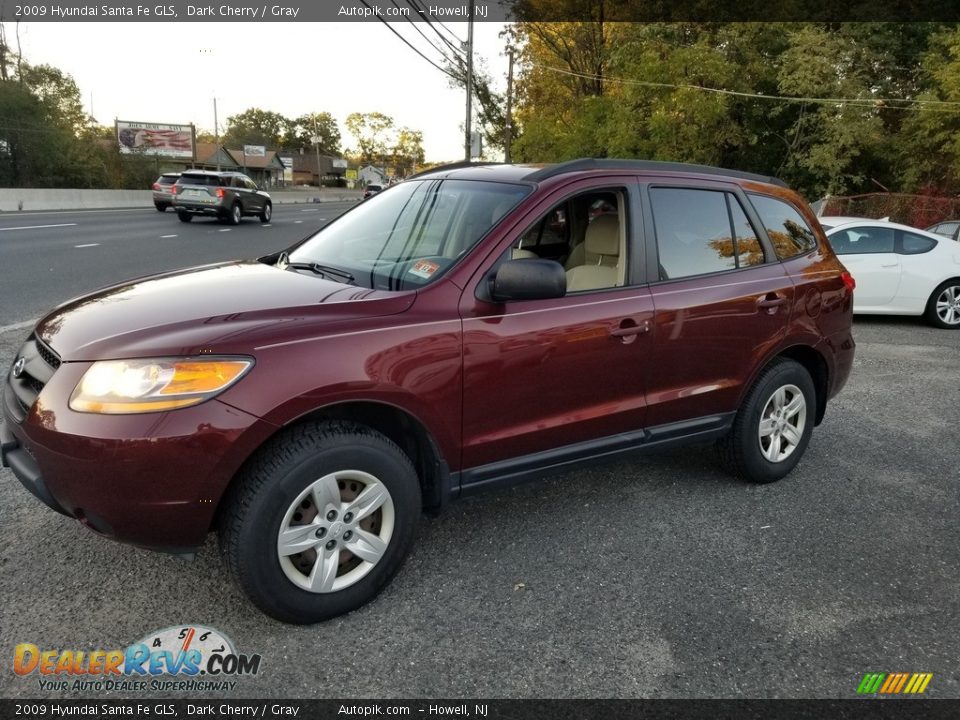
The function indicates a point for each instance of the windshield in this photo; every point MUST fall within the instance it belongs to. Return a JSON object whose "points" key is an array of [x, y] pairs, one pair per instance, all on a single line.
{"points": [[411, 235]]}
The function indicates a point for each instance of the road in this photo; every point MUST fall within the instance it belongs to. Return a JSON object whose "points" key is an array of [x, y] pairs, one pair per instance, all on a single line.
{"points": [[46, 258], [654, 577]]}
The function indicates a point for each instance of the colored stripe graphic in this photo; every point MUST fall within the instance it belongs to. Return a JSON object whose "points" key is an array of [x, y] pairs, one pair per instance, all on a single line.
{"points": [[894, 683], [870, 683]]}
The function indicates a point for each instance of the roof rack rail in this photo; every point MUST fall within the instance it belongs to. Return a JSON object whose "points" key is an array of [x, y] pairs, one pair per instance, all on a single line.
{"points": [[452, 166], [614, 164]]}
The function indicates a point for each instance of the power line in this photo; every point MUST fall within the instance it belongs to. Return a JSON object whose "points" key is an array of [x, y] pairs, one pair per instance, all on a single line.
{"points": [[416, 5], [864, 102], [414, 23], [408, 44]]}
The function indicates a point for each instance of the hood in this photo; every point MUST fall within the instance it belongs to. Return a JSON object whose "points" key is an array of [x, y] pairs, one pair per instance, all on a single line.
{"points": [[228, 308]]}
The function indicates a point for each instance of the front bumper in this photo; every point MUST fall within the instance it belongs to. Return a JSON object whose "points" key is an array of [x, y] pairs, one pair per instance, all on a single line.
{"points": [[25, 468], [153, 480]]}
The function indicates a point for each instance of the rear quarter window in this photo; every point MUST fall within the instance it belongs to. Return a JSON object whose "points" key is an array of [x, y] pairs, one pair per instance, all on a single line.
{"points": [[786, 228], [916, 244]]}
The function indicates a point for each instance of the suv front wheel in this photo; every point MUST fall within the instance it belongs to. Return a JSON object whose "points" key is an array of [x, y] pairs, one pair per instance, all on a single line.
{"points": [[773, 426], [320, 521]]}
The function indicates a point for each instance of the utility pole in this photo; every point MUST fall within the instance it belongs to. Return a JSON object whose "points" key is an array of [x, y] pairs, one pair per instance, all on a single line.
{"points": [[316, 140], [467, 143], [216, 133], [508, 125]]}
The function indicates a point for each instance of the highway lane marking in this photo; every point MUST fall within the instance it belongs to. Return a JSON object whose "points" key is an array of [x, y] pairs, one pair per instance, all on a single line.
{"points": [[37, 227], [224, 230], [267, 225], [312, 210], [298, 222], [87, 245], [167, 236], [18, 326]]}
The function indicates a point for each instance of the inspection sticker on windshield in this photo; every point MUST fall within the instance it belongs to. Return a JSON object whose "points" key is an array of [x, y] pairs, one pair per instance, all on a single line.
{"points": [[424, 269]]}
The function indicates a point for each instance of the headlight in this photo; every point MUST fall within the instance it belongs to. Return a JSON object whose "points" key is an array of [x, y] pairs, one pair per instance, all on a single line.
{"points": [[117, 387]]}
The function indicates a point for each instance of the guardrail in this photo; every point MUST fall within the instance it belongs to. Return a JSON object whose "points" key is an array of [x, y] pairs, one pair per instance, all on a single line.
{"points": [[27, 199]]}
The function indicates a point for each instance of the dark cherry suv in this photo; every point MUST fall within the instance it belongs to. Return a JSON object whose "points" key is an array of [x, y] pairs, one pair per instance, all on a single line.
{"points": [[471, 328]]}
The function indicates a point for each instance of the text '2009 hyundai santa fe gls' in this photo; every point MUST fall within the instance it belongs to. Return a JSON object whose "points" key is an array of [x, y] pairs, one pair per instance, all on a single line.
{"points": [[468, 328]]}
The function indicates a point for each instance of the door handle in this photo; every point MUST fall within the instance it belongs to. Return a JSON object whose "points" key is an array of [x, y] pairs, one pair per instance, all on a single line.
{"points": [[771, 300], [629, 330], [891, 265]]}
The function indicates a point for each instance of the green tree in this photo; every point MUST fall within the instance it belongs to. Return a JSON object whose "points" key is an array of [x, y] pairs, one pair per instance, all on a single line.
{"points": [[370, 130], [302, 131], [407, 151], [255, 127]]}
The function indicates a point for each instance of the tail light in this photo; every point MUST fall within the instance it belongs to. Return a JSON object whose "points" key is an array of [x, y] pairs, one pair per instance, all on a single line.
{"points": [[848, 280], [173, 190], [219, 192], [156, 186]]}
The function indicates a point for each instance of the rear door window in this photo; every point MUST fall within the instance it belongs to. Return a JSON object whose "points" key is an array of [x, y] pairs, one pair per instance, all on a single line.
{"points": [[702, 231], [786, 228]]}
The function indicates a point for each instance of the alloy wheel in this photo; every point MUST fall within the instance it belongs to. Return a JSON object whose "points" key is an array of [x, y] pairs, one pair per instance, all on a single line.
{"points": [[948, 305], [782, 422]]}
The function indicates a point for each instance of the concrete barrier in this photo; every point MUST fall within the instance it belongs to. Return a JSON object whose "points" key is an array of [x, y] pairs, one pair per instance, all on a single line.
{"points": [[27, 199]]}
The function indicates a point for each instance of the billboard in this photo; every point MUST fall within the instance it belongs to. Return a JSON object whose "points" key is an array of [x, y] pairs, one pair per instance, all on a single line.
{"points": [[255, 150], [155, 139]]}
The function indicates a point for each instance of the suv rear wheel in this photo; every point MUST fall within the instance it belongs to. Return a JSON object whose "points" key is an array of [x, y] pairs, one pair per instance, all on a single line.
{"points": [[773, 427], [266, 213], [184, 216], [236, 212], [318, 524]]}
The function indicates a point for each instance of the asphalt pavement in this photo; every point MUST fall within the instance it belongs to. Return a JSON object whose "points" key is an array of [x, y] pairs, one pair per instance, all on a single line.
{"points": [[653, 577], [49, 257]]}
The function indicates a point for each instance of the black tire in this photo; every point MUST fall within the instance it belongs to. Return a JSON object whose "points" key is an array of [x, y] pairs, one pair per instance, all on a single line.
{"points": [[184, 216], [931, 314], [741, 450], [236, 212], [266, 213], [161, 207], [255, 509]]}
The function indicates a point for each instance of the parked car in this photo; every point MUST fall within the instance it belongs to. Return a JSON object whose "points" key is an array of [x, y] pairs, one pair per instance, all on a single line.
{"points": [[162, 190], [310, 404], [947, 228], [372, 190], [901, 270], [228, 196]]}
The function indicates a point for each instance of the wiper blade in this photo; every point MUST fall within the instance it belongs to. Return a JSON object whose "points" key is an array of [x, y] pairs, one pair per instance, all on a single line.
{"points": [[284, 263]]}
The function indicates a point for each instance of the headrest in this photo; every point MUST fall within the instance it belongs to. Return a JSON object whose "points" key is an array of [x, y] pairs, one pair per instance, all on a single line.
{"points": [[603, 236]]}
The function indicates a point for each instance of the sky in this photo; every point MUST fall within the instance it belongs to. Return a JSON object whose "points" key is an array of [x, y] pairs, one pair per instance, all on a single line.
{"points": [[170, 72]]}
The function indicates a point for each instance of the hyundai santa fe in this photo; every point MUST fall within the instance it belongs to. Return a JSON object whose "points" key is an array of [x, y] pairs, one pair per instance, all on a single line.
{"points": [[472, 328]]}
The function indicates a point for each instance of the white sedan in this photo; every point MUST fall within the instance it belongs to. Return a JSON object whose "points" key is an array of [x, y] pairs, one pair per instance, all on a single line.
{"points": [[899, 270]]}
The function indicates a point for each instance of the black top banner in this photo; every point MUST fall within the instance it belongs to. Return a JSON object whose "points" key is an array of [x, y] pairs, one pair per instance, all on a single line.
{"points": [[490, 11]]}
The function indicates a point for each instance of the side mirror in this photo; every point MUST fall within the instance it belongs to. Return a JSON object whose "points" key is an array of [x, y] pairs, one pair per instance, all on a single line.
{"points": [[529, 279]]}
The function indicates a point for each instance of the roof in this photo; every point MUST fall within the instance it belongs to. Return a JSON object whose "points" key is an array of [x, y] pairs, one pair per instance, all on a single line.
{"points": [[256, 161], [538, 173]]}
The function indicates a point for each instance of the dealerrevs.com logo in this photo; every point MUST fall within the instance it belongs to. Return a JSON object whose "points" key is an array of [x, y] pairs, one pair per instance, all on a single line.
{"points": [[184, 658]]}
